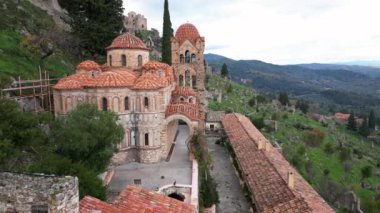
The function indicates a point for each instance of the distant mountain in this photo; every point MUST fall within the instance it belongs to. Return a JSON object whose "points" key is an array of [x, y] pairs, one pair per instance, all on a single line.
{"points": [[367, 70], [363, 63], [358, 85]]}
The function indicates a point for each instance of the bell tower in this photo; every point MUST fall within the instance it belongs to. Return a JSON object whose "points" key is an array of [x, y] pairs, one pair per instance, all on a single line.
{"points": [[188, 63]]}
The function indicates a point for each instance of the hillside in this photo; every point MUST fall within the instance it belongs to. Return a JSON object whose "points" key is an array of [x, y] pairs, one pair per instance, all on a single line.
{"points": [[27, 33], [332, 166], [335, 87]]}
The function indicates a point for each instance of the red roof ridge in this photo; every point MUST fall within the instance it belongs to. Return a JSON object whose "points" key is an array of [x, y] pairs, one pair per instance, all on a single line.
{"points": [[127, 41]]}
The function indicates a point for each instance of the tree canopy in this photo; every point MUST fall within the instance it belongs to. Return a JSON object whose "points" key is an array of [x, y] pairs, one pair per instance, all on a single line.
{"points": [[80, 144], [167, 34], [283, 98], [95, 22], [372, 120]]}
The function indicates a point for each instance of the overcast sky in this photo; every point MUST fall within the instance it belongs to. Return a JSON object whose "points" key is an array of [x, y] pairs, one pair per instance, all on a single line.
{"points": [[277, 31]]}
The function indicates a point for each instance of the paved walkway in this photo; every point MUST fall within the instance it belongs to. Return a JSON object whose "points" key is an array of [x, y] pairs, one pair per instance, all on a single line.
{"points": [[231, 195], [177, 169]]}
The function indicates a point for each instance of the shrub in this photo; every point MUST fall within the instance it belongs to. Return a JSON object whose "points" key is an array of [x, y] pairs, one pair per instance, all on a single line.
{"points": [[329, 148], [314, 137], [258, 122], [345, 154]]}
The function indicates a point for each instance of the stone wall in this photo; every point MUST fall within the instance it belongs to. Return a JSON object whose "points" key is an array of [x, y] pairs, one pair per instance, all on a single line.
{"points": [[150, 154], [131, 55], [19, 192]]}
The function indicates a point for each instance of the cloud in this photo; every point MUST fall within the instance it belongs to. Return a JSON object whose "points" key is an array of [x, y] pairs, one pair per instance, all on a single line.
{"points": [[277, 31]]}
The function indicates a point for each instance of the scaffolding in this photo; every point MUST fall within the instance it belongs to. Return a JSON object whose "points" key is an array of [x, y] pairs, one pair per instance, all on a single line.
{"points": [[40, 91]]}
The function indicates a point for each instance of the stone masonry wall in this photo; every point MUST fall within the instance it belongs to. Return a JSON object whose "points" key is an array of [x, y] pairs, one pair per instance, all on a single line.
{"points": [[19, 192]]}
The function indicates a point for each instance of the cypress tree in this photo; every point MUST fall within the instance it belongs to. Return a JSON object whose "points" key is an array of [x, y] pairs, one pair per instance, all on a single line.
{"points": [[167, 34], [364, 130], [224, 71], [351, 122], [283, 98], [372, 120]]}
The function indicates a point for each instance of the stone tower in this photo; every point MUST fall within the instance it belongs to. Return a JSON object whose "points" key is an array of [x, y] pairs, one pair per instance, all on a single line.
{"points": [[188, 63]]}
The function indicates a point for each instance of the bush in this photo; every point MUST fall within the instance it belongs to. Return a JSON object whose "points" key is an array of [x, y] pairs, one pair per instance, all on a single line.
{"points": [[345, 154], [314, 137], [258, 122], [329, 148]]}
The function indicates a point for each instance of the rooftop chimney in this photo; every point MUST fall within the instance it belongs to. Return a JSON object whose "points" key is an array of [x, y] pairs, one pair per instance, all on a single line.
{"points": [[291, 180]]}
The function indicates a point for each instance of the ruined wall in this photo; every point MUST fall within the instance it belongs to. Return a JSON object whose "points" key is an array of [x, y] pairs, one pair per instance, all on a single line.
{"points": [[19, 192]]}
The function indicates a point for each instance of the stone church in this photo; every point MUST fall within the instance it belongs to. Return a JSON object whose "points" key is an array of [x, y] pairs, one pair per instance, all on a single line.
{"points": [[149, 97]]}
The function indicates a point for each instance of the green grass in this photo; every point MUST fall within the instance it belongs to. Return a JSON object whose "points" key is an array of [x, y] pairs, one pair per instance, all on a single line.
{"points": [[16, 22], [292, 138]]}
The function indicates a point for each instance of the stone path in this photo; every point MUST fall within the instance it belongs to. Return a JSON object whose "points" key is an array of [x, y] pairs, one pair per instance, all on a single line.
{"points": [[231, 195], [177, 169]]}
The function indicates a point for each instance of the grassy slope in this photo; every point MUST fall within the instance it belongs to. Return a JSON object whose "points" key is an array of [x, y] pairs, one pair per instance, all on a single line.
{"points": [[15, 60], [292, 138]]}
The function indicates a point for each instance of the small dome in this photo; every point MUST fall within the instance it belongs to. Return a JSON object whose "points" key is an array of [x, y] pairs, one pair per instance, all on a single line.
{"points": [[88, 66], [127, 41], [187, 32]]}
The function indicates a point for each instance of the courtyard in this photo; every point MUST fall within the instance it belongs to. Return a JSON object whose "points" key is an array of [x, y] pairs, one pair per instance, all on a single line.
{"points": [[154, 176]]}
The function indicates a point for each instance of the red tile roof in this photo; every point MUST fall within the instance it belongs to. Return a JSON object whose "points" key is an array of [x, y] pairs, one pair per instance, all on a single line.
{"points": [[153, 75], [135, 199], [88, 66], [127, 41], [183, 91], [114, 79], [149, 81], [341, 116], [187, 32], [189, 110], [265, 172]]}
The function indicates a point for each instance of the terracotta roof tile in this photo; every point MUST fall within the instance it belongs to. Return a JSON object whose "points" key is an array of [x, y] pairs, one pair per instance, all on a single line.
{"points": [[187, 32], [75, 81], [341, 116], [183, 91], [187, 109], [88, 66], [266, 172], [135, 199], [215, 116], [114, 79], [68, 85], [127, 41], [149, 81]]}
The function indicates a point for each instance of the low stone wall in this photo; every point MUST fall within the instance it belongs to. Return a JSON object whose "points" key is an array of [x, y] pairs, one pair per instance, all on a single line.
{"points": [[21, 192], [124, 156], [150, 154]]}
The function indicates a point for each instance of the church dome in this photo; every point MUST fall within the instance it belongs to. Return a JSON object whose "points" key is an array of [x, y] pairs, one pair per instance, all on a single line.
{"points": [[127, 41], [187, 32], [88, 66]]}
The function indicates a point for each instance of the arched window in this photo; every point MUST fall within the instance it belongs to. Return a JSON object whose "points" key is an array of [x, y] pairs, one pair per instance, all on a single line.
{"points": [[182, 100], [187, 56], [193, 58], [139, 60], [110, 60], [104, 104], [191, 100], [126, 103], [146, 139], [187, 78], [146, 102], [181, 59], [181, 84], [123, 60], [194, 81]]}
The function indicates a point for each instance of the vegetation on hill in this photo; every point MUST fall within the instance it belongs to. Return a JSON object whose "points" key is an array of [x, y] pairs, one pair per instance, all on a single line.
{"points": [[27, 34], [80, 145], [167, 34], [335, 89], [331, 158]]}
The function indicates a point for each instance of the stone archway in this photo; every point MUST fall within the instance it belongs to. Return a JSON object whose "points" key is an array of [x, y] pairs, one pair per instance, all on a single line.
{"points": [[169, 131]]}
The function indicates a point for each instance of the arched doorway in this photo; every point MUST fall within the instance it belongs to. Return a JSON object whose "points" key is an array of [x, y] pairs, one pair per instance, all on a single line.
{"points": [[176, 133], [177, 196]]}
